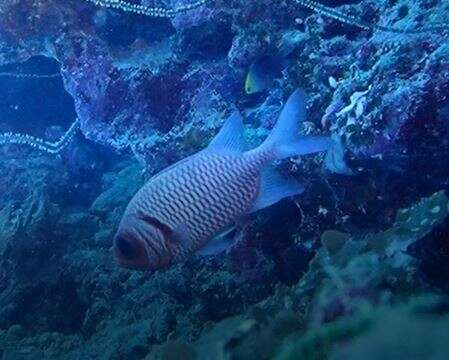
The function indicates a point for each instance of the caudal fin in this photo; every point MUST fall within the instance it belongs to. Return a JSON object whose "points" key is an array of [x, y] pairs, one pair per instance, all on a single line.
{"points": [[284, 140]]}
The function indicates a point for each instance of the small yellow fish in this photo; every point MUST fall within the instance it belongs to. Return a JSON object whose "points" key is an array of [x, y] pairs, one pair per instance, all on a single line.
{"points": [[262, 73], [265, 70]]}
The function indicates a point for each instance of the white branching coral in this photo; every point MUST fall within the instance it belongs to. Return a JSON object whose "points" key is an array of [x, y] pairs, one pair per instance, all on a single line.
{"points": [[29, 76], [41, 144], [347, 19], [310, 4], [148, 10]]}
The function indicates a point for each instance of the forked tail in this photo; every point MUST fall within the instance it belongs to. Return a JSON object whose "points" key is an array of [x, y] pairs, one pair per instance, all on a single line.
{"points": [[284, 139]]}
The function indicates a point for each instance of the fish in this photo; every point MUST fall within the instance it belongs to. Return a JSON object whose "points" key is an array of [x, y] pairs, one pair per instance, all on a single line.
{"points": [[181, 209], [263, 71]]}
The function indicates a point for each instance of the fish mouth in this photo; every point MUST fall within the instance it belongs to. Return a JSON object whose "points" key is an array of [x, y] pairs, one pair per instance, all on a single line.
{"points": [[139, 259]]}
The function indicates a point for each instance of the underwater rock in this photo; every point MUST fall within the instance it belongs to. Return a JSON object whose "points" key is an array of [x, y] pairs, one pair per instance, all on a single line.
{"points": [[344, 318], [398, 334], [407, 76], [118, 189], [432, 254]]}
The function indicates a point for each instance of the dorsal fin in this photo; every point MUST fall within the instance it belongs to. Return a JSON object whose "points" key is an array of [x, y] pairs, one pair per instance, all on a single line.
{"points": [[230, 137]]}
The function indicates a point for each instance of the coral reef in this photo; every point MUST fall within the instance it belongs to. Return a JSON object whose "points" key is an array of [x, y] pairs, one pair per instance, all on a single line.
{"points": [[328, 275], [349, 292]]}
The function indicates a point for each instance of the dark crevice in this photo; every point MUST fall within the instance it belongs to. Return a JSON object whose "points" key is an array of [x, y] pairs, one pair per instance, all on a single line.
{"points": [[33, 104]]}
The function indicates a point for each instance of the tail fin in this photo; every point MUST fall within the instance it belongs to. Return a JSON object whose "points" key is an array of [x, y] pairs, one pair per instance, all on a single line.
{"points": [[284, 139]]}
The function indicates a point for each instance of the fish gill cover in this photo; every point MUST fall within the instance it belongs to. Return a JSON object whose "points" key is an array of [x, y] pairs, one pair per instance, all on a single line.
{"points": [[98, 96]]}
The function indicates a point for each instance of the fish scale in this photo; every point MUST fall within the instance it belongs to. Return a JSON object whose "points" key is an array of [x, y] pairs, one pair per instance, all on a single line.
{"points": [[204, 194]]}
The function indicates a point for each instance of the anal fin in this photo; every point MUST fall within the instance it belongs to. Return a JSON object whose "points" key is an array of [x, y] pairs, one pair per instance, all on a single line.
{"points": [[273, 188]]}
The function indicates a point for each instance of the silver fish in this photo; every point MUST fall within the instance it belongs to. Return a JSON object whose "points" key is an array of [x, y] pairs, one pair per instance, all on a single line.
{"points": [[179, 211]]}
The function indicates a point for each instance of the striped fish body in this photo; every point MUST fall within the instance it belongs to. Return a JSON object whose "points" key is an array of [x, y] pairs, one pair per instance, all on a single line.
{"points": [[179, 210], [201, 195]]}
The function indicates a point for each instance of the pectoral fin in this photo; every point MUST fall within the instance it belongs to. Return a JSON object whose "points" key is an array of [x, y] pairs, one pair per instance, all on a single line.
{"points": [[218, 244]]}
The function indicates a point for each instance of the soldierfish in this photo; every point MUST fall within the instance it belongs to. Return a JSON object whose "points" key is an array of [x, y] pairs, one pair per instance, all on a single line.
{"points": [[179, 210]]}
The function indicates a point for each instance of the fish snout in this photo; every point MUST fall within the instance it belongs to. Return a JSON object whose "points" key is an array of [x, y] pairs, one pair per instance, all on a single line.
{"points": [[131, 253]]}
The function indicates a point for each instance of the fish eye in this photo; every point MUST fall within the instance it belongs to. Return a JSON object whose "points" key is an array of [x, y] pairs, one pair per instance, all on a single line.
{"points": [[125, 247]]}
